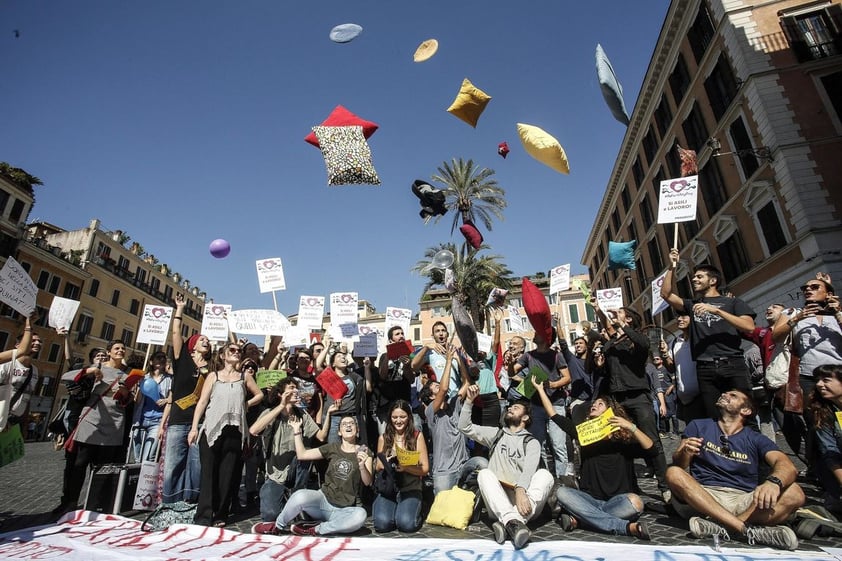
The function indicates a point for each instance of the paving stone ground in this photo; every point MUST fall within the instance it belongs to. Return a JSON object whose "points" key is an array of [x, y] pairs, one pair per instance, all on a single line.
{"points": [[31, 487]]}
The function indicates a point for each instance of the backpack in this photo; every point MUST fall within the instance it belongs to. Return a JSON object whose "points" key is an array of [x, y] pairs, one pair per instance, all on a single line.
{"points": [[526, 440], [777, 372]]}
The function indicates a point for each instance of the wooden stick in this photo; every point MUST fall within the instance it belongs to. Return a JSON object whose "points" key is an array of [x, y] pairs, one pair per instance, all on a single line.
{"points": [[675, 236]]}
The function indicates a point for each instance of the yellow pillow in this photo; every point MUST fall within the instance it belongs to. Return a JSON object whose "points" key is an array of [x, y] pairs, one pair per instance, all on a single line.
{"points": [[452, 508], [542, 146], [470, 103]]}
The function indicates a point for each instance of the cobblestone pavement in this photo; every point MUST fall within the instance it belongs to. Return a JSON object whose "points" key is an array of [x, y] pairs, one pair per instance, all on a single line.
{"points": [[31, 487]]}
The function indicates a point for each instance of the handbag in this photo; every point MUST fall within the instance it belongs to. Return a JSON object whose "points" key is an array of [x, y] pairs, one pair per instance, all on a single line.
{"points": [[168, 514], [385, 480], [777, 372]]}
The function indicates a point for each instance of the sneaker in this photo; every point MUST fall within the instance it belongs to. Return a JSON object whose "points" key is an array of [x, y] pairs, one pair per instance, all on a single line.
{"points": [[304, 528], [567, 522], [266, 529], [703, 528], [519, 533], [499, 532], [781, 537], [639, 530]]}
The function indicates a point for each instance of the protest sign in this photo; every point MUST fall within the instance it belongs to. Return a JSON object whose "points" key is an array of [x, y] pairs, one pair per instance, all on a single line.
{"points": [[484, 342], [401, 317], [270, 274], [16, 287], [154, 325], [658, 303], [678, 199], [268, 378], [311, 311], [610, 298], [396, 350], [594, 430], [526, 388], [516, 324], [343, 313], [215, 321], [258, 322], [407, 457], [62, 312], [367, 344], [560, 279], [11, 445]]}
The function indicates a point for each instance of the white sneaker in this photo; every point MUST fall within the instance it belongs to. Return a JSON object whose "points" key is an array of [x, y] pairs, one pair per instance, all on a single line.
{"points": [[781, 537]]}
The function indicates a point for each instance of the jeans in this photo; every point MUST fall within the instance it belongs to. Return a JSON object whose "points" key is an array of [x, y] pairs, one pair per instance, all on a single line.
{"points": [[500, 501], [608, 517], [334, 519], [403, 514], [445, 481], [274, 495], [145, 442], [558, 444], [639, 408], [714, 379], [182, 469]]}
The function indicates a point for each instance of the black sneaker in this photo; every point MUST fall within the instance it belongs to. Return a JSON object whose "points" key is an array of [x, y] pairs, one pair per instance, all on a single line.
{"points": [[519, 533], [499, 532], [567, 523]]}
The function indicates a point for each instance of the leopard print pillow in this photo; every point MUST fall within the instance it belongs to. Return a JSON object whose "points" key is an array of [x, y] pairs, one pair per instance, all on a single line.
{"points": [[347, 156]]}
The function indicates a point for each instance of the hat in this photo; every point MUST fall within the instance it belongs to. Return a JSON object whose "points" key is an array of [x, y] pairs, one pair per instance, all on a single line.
{"points": [[191, 342]]}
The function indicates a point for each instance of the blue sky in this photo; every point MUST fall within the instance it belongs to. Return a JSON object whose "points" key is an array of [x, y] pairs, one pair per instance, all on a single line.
{"points": [[181, 122]]}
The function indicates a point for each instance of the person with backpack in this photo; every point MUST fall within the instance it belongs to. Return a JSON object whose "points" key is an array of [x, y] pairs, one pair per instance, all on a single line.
{"points": [[513, 489]]}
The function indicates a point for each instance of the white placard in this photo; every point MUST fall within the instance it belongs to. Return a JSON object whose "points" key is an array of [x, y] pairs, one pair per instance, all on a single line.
{"points": [[401, 317], [516, 324], [270, 274], [366, 344], [484, 342], [215, 321], [610, 299], [258, 322], [297, 336], [658, 303], [311, 311], [154, 325], [560, 279], [343, 313], [16, 287], [678, 200], [62, 312]]}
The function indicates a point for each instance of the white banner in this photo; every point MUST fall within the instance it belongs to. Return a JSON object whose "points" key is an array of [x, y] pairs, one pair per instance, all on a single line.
{"points": [[215, 321], [258, 322], [401, 317], [311, 311], [343, 313], [658, 303], [678, 200], [610, 299], [16, 287], [155, 325], [62, 312], [560, 279], [516, 323], [88, 536], [297, 336], [270, 274]]}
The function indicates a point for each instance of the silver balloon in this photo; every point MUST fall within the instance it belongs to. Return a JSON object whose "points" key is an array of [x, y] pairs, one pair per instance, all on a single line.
{"points": [[443, 259]]}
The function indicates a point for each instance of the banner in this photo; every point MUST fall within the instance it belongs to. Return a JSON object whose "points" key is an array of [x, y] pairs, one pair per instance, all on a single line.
{"points": [[678, 200], [343, 313], [560, 279], [366, 345], [484, 342], [594, 430], [516, 324], [154, 325], [215, 321], [610, 299], [270, 274], [16, 288], [311, 311], [401, 317], [62, 312], [658, 303], [258, 322]]}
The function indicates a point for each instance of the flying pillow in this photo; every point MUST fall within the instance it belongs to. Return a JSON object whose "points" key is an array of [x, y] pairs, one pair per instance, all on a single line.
{"points": [[543, 147], [432, 200], [345, 32], [537, 309], [464, 327], [470, 103], [472, 235], [612, 91], [341, 117], [453, 508], [425, 50], [347, 156], [621, 255]]}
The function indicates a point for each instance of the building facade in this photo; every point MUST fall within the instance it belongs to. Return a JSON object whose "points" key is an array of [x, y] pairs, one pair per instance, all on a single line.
{"points": [[756, 90]]}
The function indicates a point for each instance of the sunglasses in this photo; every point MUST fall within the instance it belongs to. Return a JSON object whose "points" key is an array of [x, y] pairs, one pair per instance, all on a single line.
{"points": [[725, 444], [812, 287]]}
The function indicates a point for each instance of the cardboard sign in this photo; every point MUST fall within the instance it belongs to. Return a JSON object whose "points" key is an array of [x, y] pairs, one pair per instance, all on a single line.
{"points": [[484, 342], [62, 312], [407, 457], [16, 287], [332, 384], [594, 430], [396, 350], [154, 325], [678, 199], [526, 388], [610, 298], [215, 321], [270, 274], [401, 317], [258, 322], [658, 303], [344, 313], [560, 279], [268, 378], [11, 445], [366, 345], [516, 323], [311, 311]]}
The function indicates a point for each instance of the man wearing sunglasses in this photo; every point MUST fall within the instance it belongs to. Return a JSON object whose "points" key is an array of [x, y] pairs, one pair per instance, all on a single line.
{"points": [[719, 493]]}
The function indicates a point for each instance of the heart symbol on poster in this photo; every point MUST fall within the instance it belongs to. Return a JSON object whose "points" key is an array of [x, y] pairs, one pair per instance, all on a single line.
{"points": [[347, 298], [609, 294], [659, 282], [217, 310], [312, 302], [157, 312], [268, 264], [364, 330], [678, 185]]}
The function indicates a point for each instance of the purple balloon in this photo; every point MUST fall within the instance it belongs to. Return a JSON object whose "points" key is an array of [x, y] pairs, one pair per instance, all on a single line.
{"points": [[220, 248]]}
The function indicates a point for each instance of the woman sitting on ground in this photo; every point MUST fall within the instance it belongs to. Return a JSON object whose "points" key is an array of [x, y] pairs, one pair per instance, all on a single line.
{"points": [[825, 404]]}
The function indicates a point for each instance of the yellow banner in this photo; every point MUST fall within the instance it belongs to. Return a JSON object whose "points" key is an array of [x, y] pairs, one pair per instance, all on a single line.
{"points": [[408, 457], [594, 430]]}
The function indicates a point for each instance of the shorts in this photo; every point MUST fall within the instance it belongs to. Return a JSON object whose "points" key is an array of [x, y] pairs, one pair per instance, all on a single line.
{"points": [[733, 500]]}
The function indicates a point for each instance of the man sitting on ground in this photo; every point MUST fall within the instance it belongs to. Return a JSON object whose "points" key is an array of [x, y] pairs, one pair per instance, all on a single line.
{"points": [[723, 456]]}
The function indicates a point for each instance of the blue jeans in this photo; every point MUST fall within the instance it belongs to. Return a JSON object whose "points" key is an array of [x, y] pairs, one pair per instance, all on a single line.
{"points": [[609, 517], [558, 444], [145, 442], [445, 481], [182, 469], [273, 498], [403, 514], [334, 520]]}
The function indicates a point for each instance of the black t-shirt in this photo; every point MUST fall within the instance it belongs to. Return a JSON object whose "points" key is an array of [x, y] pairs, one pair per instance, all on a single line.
{"points": [[184, 379], [710, 335], [394, 387]]}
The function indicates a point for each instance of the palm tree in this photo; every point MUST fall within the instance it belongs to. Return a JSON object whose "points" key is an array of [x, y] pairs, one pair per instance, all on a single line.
{"points": [[472, 191], [474, 276]]}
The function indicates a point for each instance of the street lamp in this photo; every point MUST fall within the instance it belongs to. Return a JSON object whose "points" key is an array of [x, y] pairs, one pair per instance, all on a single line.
{"points": [[763, 152]]}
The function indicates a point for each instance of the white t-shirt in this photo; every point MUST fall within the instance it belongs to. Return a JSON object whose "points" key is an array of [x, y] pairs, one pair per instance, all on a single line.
{"points": [[18, 375]]}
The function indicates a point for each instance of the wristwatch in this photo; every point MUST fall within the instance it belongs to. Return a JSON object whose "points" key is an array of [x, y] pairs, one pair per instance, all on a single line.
{"points": [[776, 481]]}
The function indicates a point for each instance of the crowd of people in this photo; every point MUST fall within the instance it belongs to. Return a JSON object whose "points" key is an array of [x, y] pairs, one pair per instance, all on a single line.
{"points": [[341, 438]]}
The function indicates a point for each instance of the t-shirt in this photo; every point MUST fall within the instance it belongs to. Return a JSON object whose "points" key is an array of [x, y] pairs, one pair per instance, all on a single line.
{"points": [[710, 335], [17, 375], [449, 444], [394, 387], [184, 379], [817, 343], [737, 470], [281, 448], [342, 481], [437, 362], [149, 412], [550, 362]]}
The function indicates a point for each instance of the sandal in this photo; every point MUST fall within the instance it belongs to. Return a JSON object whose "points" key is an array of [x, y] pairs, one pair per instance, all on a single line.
{"points": [[219, 523]]}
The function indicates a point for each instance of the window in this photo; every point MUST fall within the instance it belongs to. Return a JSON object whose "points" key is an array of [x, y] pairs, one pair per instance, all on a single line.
{"points": [[615, 220], [43, 279], [168, 294], [656, 184], [17, 211], [663, 116], [632, 229], [694, 128], [646, 213], [832, 84], [742, 141], [701, 32], [732, 257], [714, 193], [691, 228], [155, 284], [589, 312], [84, 326], [72, 291], [770, 227], [573, 309], [54, 284], [134, 307], [637, 173], [25, 266], [625, 198], [4, 200], [123, 263], [721, 87], [814, 33], [43, 316], [94, 287], [641, 279], [650, 147], [417, 333], [127, 337], [673, 162], [55, 349], [103, 251], [679, 80], [655, 255], [8, 244], [115, 298], [140, 275], [107, 332]]}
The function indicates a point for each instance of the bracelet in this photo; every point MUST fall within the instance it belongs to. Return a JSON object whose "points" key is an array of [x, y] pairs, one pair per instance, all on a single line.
{"points": [[296, 434], [634, 428]]}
